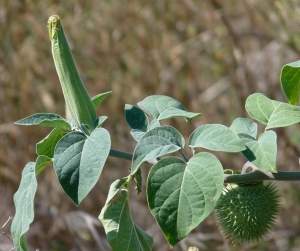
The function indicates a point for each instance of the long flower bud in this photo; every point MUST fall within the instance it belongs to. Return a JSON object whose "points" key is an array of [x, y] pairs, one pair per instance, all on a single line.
{"points": [[76, 96]]}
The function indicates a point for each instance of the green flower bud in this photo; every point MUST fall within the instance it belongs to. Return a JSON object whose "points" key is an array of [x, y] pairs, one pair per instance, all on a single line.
{"points": [[246, 213], [76, 96]]}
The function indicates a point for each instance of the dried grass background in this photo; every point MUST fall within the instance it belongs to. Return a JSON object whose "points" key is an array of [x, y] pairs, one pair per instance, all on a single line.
{"points": [[210, 55]]}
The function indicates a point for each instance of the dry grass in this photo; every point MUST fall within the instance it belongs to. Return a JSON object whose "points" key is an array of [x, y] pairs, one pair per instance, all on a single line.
{"points": [[210, 55]]}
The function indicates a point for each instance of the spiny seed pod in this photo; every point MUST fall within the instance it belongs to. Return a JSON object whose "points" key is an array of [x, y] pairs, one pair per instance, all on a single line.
{"points": [[76, 96], [246, 213]]}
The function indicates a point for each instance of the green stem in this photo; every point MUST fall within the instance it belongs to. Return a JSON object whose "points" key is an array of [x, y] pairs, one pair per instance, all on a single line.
{"points": [[186, 159], [120, 154], [259, 176], [229, 178]]}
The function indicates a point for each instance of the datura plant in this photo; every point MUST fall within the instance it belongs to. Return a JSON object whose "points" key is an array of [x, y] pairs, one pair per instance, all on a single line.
{"points": [[181, 192]]}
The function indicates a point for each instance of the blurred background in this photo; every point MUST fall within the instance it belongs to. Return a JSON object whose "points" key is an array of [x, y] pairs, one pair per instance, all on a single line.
{"points": [[210, 55]]}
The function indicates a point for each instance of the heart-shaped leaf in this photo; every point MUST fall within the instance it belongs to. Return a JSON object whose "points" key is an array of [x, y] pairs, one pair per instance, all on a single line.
{"points": [[78, 161], [272, 113], [97, 100], [163, 107], [45, 119], [290, 81], [24, 203], [217, 138], [155, 143], [181, 195], [244, 126], [47, 145], [262, 153], [122, 233]]}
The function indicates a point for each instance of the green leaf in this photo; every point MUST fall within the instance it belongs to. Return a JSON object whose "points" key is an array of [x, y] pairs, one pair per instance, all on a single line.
{"points": [[41, 163], [173, 112], [155, 143], [24, 203], [137, 134], [45, 119], [47, 145], [100, 121], [78, 161], [136, 118], [272, 113], [114, 188], [138, 180], [181, 195], [122, 233], [262, 153], [244, 126], [97, 100], [290, 81], [154, 123], [163, 107], [217, 138]]}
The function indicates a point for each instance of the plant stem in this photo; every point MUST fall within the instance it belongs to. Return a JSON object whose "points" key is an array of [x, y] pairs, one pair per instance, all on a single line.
{"points": [[186, 159], [120, 154], [228, 178], [259, 176]]}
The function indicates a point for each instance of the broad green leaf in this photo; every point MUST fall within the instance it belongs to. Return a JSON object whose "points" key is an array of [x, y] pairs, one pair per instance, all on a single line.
{"points": [[181, 195], [24, 203], [244, 126], [217, 138], [155, 143], [163, 107], [45, 119], [47, 145], [97, 100], [290, 81], [41, 163], [136, 118], [100, 121], [137, 134], [78, 161], [122, 233], [262, 153], [272, 113]]}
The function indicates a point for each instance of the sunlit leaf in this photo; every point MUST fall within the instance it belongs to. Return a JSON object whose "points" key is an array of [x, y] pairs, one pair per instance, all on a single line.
{"points": [[181, 195], [78, 161], [272, 113], [163, 107], [244, 126], [263, 152], [97, 100], [24, 203], [45, 119], [290, 81], [216, 137], [155, 143], [47, 145], [122, 233]]}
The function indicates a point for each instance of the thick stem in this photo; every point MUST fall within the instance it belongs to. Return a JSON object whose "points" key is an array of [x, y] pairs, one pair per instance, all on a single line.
{"points": [[259, 176], [229, 178], [120, 154]]}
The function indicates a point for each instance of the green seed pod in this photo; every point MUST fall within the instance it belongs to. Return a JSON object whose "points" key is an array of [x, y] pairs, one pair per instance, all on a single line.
{"points": [[76, 96], [246, 213]]}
